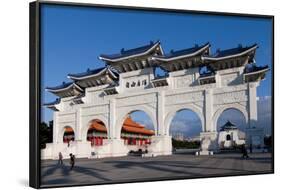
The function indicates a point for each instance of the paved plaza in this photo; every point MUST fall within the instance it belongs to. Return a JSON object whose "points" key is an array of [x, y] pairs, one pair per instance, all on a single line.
{"points": [[132, 168]]}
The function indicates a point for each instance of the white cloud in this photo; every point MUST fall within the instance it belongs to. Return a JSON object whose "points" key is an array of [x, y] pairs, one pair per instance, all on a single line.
{"points": [[189, 127], [265, 113]]}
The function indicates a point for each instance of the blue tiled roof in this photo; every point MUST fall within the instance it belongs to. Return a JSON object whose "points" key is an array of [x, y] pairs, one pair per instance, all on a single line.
{"points": [[57, 101], [129, 52], [232, 51], [63, 85], [253, 68], [87, 73], [207, 74], [183, 51], [228, 125]]}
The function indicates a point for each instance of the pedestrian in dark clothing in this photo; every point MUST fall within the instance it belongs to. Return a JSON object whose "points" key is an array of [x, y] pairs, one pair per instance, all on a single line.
{"points": [[251, 148], [244, 151], [72, 161], [60, 158]]}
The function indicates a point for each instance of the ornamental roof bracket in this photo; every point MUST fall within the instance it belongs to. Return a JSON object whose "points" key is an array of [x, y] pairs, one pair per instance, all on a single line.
{"points": [[182, 59], [207, 78], [160, 81], [184, 53], [93, 73], [53, 105], [231, 53], [111, 89], [79, 99], [255, 73], [139, 57], [96, 77], [65, 89], [132, 53]]}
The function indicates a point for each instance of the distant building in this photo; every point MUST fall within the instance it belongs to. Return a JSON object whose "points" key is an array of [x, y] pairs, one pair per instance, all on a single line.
{"points": [[230, 135], [194, 139], [178, 136], [132, 133]]}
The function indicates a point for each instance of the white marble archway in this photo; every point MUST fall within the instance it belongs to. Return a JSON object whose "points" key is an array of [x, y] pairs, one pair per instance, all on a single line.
{"points": [[123, 114], [170, 115]]}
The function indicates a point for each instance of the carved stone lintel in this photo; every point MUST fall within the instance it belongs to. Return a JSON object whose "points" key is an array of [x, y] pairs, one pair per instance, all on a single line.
{"points": [[136, 100], [231, 97], [184, 97]]}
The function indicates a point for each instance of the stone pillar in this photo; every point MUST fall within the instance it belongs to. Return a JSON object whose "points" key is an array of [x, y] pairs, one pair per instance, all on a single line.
{"points": [[209, 143], [252, 105], [78, 127], [254, 133], [112, 117], [218, 80], [161, 145], [162, 142], [208, 137], [208, 112], [55, 127], [160, 113]]}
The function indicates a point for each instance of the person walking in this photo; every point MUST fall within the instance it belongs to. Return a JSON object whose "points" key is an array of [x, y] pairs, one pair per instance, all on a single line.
{"points": [[72, 161], [251, 148], [244, 151], [60, 159]]}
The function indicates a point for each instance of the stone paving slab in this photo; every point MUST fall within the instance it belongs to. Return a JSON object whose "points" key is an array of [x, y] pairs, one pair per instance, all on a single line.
{"points": [[130, 168]]}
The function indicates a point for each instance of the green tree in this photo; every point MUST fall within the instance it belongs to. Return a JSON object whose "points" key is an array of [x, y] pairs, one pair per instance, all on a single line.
{"points": [[185, 144], [45, 133]]}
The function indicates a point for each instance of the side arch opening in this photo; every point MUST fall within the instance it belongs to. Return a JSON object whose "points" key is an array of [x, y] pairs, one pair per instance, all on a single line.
{"points": [[97, 133], [68, 134], [231, 126]]}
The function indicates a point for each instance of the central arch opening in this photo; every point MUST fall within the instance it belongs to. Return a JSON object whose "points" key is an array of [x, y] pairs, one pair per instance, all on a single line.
{"points": [[68, 134], [137, 131], [231, 126], [97, 133], [185, 129]]}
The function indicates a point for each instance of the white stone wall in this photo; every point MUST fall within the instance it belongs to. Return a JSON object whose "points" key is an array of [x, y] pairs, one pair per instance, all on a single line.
{"points": [[185, 78], [136, 80], [161, 104]]}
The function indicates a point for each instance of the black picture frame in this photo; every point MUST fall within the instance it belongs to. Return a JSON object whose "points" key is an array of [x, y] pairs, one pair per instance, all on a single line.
{"points": [[35, 78]]}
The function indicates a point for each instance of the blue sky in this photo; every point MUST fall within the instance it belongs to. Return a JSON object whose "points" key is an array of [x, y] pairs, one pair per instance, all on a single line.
{"points": [[72, 38]]}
